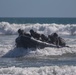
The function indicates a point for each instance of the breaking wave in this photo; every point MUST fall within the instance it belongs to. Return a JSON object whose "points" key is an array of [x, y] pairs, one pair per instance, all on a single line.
{"points": [[51, 70], [8, 50], [11, 29], [31, 52]]}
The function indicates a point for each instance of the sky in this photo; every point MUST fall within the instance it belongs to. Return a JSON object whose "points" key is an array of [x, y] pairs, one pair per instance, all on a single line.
{"points": [[37, 8]]}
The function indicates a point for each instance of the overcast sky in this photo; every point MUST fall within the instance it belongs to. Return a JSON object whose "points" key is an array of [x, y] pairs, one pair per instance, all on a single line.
{"points": [[37, 8]]}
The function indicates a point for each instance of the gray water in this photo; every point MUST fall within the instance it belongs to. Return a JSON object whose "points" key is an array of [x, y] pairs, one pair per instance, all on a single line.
{"points": [[32, 61]]}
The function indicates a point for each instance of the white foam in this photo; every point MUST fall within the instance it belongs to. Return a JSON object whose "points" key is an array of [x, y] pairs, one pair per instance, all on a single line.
{"points": [[7, 28], [47, 51], [46, 70], [54, 51], [8, 49]]}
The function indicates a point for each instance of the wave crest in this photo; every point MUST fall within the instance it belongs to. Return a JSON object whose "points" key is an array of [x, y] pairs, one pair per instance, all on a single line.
{"points": [[51, 70], [7, 28]]}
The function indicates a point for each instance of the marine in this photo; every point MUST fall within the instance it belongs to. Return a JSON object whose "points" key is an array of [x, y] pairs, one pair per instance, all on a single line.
{"points": [[55, 39], [25, 40]]}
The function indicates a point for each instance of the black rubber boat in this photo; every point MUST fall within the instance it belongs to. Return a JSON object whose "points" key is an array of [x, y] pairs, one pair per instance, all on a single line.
{"points": [[27, 42]]}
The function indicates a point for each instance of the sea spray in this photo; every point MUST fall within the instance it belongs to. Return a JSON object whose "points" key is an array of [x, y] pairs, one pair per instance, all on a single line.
{"points": [[68, 29]]}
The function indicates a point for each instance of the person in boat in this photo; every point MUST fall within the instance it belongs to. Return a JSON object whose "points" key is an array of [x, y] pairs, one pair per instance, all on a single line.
{"points": [[22, 35], [55, 39], [18, 42], [21, 32], [62, 42], [35, 34], [44, 38], [27, 42]]}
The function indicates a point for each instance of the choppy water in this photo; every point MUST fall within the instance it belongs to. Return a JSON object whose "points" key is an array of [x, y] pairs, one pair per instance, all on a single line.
{"points": [[47, 61], [53, 61]]}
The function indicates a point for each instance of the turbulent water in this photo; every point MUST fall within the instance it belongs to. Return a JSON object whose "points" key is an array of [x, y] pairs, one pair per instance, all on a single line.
{"points": [[47, 61]]}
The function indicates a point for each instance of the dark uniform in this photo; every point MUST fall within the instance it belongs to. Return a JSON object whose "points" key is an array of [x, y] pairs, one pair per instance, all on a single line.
{"points": [[44, 38], [35, 34], [54, 39]]}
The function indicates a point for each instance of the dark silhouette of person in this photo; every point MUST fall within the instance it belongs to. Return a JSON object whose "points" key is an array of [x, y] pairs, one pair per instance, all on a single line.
{"points": [[44, 38], [20, 41], [20, 32], [61, 42], [35, 34], [55, 39]]}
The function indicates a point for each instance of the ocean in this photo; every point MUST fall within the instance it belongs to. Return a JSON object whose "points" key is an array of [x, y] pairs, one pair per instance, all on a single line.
{"points": [[46, 61]]}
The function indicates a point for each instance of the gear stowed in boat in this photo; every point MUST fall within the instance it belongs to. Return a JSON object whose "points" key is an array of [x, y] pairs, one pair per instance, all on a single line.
{"points": [[39, 40]]}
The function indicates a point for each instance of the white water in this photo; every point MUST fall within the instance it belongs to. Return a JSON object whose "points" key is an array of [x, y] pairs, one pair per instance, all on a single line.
{"points": [[7, 49], [7, 28], [51, 70], [9, 34]]}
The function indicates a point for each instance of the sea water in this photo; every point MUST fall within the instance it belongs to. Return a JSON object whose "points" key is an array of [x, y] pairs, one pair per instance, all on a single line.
{"points": [[46, 61]]}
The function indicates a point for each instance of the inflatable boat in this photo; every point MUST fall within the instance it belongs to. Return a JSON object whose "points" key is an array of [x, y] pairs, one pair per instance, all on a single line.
{"points": [[28, 42]]}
